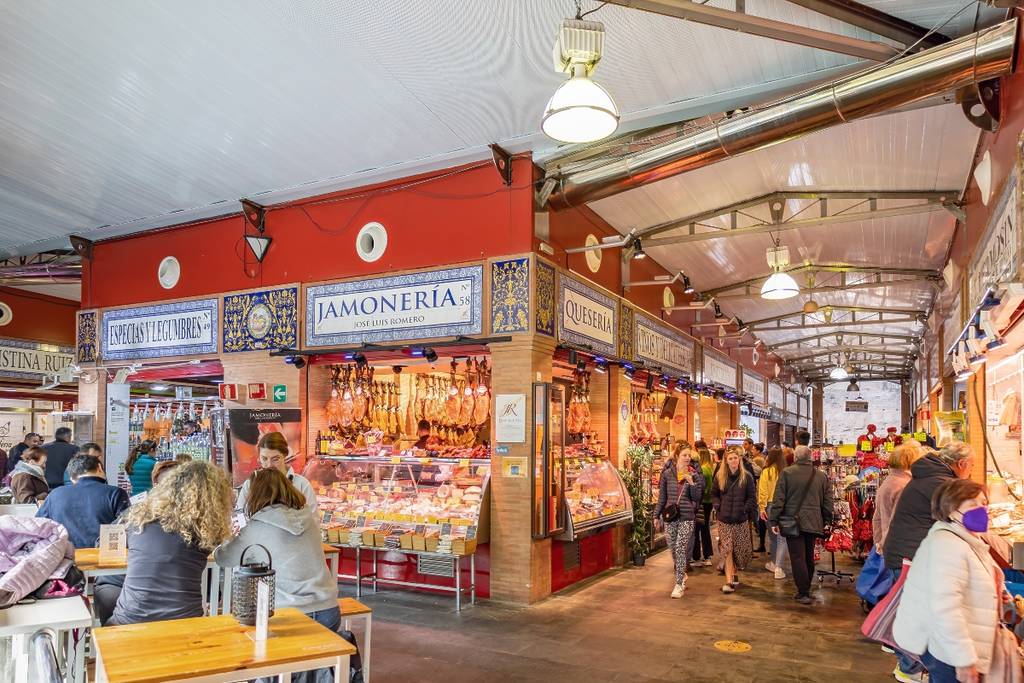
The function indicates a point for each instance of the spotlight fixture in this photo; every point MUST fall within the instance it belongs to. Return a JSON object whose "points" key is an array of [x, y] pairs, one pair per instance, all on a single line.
{"points": [[581, 365], [360, 359], [996, 343], [298, 361], [719, 316], [573, 356], [826, 314], [964, 374], [158, 387], [580, 110], [687, 287], [638, 250], [430, 355], [853, 385], [779, 285], [628, 371], [650, 382], [740, 326], [663, 382], [601, 365]]}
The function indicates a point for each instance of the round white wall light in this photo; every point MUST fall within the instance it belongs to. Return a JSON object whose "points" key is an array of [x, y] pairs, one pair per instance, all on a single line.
{"points": [[169, 272], [371, 242], [594, 255], [6, 314]]}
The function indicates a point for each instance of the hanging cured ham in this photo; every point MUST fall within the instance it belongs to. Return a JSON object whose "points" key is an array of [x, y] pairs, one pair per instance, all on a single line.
{"points": [[347, 405], [482, 401], [360, 399], [468, 394], [452, 401]]}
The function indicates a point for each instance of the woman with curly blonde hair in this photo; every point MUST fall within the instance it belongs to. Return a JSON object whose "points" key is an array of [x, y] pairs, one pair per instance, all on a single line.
{"points": [[170, 537]]}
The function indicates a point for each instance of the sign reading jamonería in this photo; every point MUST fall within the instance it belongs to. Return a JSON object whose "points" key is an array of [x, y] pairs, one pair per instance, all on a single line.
{"points": [[176, 329], [438, 303], [662, 346], [588, 317]]}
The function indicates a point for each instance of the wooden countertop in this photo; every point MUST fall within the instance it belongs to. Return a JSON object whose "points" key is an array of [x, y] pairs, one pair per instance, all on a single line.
{"points": [[207, 646], [88, 559]]}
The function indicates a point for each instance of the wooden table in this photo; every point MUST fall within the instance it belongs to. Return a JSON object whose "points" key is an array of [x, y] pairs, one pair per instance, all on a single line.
{"points": [[350, 609], [64, 615], [217, 649]]}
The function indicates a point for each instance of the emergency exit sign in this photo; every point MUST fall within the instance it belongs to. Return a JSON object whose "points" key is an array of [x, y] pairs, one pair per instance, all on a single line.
{"points": [[279, 393]]}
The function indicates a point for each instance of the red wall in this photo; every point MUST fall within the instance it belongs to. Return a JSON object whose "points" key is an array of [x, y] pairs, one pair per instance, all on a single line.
{"points": [[1002, 147], [38, 317], [447, 217]]}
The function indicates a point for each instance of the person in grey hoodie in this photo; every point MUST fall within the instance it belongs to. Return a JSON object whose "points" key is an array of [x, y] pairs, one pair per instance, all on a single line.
{"points": [[278, 519]]}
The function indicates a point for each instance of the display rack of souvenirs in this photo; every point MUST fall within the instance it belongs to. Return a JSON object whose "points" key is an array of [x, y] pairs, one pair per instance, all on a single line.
{"points": [[365, 414]]}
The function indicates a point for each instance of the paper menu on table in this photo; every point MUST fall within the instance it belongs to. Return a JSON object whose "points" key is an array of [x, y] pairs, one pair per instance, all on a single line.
{"points": [[262, 610], [113, 544]]}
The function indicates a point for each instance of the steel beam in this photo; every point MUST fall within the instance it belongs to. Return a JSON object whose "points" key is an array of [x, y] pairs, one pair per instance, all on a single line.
{"points": [[766, 28], [828, 351], [846, 309], [921, 273], [830, 335], [878, 22], [761, 228], [837, 288], [822, 326]]}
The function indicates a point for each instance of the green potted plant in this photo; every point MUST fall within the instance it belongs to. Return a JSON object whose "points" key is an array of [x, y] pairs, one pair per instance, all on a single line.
{"points": [[636, 475]]}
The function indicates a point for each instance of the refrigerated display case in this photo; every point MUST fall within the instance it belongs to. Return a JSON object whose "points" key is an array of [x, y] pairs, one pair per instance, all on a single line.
{"points": [[548, 459], [595, 497], [399, 494]]}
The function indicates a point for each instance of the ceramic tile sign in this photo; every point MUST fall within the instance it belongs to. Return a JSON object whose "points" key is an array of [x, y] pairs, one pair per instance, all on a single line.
{"points": [[719, 371], [664, 347], [587, 318], [510, 418], [178, 329], [753, 384], [997, 257], [437, 303], [30, 361]]}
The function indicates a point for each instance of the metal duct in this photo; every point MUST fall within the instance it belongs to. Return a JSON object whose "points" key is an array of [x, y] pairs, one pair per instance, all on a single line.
{"points": [[977, 57], [41, 271]]}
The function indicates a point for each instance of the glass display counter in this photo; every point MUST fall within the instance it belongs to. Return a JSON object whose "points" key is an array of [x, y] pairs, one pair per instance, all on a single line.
{"points": [[595, 497], [383, 499]]}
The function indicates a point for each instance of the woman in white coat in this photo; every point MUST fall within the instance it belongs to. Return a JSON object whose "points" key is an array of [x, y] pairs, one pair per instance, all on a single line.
{"points": [[950, 607]]}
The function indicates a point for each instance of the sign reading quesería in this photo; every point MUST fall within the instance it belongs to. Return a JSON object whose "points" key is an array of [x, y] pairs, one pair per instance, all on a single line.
{"points": [[588, 318], [176, 329], [438, 303]]}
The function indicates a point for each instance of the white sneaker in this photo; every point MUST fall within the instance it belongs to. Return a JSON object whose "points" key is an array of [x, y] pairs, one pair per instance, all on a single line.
{"points": [[677, 592], [908, 678], [780, 573], [770, 566], [728, 588], [708, 563], [888, 650]]}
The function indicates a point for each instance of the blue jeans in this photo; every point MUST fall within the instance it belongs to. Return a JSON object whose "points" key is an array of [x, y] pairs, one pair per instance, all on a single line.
{"points": [[906, 663], [938, 672]]}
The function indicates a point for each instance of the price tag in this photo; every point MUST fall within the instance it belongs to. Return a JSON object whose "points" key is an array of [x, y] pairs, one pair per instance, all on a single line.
{"points": [[361, 520], [425, 461], [396, 460], [471, 532], [463, 462], [328, 517], [446, 529], [352, 487], [865, 446], [420, 528]]}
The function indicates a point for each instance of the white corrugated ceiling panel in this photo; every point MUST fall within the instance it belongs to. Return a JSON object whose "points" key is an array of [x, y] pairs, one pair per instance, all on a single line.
{"points": [[115, 114]]}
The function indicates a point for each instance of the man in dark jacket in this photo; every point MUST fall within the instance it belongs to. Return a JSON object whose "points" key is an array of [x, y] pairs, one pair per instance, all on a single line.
{"points": [[88, 503], [912, 517], [58, 454], [805, 494], [31, 440]]}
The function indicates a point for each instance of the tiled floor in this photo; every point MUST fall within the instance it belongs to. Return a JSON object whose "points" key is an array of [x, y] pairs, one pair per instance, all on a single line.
{"points": [[624, 627]]}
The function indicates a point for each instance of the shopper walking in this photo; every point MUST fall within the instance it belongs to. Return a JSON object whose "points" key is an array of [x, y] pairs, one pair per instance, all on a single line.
{"points": [[801, 510], [139, 466], [277, 519], [58, 454], [170, 537], [28, 480], [703, 550], [949, 610], [890, 490], [679, 495], [777, 549], [735, 502], [757, 462]]}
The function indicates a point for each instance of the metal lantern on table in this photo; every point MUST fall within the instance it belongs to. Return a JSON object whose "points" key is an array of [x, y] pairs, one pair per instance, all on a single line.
{"points": [[244, 586]]}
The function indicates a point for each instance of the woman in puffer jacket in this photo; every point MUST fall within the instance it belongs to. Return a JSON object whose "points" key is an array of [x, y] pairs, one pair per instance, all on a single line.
{"points": [[681, 485], [734, 498], [950, 607]]}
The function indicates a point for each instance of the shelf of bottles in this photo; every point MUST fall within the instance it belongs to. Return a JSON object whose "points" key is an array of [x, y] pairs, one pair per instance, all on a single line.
{"points": [[180, 427]]}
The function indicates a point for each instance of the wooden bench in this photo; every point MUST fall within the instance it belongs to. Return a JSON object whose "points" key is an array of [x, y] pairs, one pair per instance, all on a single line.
{"points": [[351, 608]]}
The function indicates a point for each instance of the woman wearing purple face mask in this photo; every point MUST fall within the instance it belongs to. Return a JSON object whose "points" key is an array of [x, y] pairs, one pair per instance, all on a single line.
{"points": [[950, 608]]}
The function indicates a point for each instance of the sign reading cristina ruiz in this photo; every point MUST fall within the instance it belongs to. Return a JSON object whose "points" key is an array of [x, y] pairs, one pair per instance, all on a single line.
{"points": [[588, 318], [30, 360], [178, 329], [662, 346], [438, 303]]}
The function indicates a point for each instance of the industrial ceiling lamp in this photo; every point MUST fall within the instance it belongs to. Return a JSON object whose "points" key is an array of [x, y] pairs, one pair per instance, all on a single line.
{"points": [[853, 385], [811, 306], [638, 250], [580, 110], [687, 287], [839, 373], [779, 285], [826, 313]]}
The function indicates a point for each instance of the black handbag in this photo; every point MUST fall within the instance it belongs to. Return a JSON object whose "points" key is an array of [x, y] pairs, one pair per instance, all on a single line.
{"points": [[789, 527], [698, 515], [670, 512]]}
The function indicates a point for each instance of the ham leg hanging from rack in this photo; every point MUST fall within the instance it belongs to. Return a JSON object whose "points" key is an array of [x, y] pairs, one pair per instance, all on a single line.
{"points": [[482, 402], [451, 402], [468, 393], [346, 399]]}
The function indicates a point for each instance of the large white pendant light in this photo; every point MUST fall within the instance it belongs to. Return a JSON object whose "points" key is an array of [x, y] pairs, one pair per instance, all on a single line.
{"points": [[839, 373], [580, 110], [779, 285]]}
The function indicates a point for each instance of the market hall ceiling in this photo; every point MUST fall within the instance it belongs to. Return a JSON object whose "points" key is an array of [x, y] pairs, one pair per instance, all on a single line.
{"points": [[106, 129]]}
